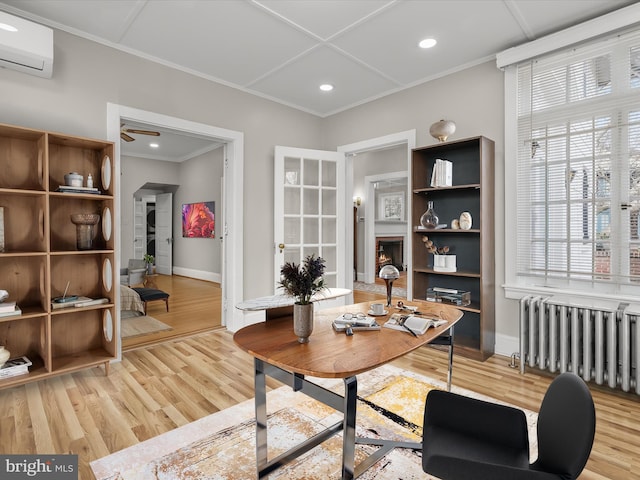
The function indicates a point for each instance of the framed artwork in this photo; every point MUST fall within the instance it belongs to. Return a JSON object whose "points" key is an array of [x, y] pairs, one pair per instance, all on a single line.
{"points": [[391, 206], [198, 220]]}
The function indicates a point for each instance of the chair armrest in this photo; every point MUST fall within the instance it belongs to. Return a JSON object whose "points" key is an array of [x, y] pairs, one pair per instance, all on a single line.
{"points": [[498, 424]]}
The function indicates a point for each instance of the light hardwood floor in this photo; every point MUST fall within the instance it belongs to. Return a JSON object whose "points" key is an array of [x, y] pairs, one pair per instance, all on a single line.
{"points": [[160, 387]]}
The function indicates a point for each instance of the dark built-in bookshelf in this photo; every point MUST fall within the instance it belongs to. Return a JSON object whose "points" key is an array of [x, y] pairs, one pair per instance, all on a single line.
{"points": [[472, 191]]}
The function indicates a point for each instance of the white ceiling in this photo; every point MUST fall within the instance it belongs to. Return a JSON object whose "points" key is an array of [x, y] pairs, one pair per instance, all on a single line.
{"points": [[284, 49]]}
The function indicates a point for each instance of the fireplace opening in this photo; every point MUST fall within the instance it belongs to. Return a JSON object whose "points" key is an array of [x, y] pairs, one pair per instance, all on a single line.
{"points": [[389, 251]]}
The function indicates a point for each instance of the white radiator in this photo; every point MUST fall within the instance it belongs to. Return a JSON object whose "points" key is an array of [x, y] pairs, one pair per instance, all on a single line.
{"points": [[596, 339]]}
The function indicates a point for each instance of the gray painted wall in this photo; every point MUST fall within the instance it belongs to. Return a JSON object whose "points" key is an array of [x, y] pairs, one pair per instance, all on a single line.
{"points": [[200, 181], [87, 76]]}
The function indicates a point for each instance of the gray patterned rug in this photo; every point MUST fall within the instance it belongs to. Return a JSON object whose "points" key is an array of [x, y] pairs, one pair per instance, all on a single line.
{"points": [[379, 289], [221, 446]]}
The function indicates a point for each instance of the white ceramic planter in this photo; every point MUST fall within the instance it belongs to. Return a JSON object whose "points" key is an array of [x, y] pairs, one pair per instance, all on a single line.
{"points": [[444, 263]]}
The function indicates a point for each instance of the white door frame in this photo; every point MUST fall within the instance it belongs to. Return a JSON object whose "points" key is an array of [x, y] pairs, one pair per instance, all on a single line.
{"points": [[408, 137], [233, 245], [370, 224]]}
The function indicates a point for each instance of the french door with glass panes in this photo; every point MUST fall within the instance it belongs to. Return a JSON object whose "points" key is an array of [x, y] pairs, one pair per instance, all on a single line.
{"points": [[309, 210]]}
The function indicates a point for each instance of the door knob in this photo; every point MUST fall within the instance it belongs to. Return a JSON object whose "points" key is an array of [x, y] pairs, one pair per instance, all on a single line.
{"points": [[281, 247]]}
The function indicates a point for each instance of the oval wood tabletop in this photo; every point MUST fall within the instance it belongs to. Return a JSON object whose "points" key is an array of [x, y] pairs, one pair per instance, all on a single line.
{"points": [[333, 354]]}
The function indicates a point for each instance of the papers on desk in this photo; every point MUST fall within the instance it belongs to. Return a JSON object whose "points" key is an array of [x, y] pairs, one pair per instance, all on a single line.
{"points": [[417, 324], [357, 324]]}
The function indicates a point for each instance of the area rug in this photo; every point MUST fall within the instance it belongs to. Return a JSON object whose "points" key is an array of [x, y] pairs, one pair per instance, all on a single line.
{"points": [[380, 289], [221, 446], [144, 325]]}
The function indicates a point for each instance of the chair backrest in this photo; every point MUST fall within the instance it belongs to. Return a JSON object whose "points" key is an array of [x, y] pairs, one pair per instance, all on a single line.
{"points": [[136, 264], [566, 427]]}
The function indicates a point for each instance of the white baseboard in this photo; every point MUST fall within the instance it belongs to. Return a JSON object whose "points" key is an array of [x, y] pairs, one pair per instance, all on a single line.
{"points": [[506, 345], [198, 274]]}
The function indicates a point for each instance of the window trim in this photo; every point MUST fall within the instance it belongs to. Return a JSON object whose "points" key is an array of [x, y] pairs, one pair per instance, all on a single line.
{"points": [[514, 287]]}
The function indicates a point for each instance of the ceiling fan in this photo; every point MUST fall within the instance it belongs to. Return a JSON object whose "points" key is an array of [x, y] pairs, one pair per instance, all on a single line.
{"points": [[124, 133]]}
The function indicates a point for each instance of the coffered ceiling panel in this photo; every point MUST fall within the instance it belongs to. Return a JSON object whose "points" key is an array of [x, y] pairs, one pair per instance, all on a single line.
{"points": [[284, 49]]}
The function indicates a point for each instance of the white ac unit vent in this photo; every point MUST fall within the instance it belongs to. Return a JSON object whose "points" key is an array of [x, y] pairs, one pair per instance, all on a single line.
{"points": [[25, 46]]}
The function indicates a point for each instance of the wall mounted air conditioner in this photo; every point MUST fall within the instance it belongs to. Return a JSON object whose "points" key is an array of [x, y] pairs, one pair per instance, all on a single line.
{"points": [[25, 46]]}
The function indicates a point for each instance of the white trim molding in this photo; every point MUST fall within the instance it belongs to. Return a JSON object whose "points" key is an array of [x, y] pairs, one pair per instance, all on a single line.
{"points": [[605, 24]]}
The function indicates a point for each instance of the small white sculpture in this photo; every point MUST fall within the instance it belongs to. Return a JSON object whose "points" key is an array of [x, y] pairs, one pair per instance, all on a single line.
{"points": [[4, 356], [455, 224], [465, 221]]}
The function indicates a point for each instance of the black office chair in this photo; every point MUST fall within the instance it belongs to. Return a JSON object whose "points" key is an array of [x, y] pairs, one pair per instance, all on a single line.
{"points": [[467, 438]]}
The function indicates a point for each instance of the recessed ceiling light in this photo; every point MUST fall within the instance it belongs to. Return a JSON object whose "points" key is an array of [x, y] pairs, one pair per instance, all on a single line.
{"points": [[326, 87], [7, 27], [154, 145], [427, 43]]}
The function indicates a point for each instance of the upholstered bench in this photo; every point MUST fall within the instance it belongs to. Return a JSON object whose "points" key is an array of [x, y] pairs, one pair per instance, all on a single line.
{"points": [[152, 294]]}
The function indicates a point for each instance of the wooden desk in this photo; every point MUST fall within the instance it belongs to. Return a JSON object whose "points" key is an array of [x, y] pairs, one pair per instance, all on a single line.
{"points": [[329, 354]]}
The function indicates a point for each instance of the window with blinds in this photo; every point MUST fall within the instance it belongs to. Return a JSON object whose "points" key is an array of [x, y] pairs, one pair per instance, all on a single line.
{"points": [[578, 167]]}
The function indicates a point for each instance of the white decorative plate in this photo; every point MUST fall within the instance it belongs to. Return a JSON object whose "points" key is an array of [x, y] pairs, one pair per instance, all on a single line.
{"points": [[106, 223], [106, 172], [107, 275]]}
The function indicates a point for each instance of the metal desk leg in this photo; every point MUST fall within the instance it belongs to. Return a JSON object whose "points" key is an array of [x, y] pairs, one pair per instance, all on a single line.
{"points": [[450, 370], [261, 414], [349, 428]]}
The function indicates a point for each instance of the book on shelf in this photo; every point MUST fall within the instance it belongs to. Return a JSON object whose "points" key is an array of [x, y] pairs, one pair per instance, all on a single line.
{"points": [[15, 366], [7, 306], [79, 301], [442, 173], [16, 311], [416, 323], [68, 189]]}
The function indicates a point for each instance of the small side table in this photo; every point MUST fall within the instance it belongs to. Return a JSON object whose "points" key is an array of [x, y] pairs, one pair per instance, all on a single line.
{"points": [[150, 280]]}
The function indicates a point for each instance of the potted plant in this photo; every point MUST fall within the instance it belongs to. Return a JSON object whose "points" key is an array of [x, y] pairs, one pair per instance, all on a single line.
{"points": [[148, 259], [443, 261], [302, 282]]}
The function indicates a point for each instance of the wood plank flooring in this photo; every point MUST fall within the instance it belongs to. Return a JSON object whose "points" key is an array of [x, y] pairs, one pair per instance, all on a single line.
{"points": [[160, 387]]}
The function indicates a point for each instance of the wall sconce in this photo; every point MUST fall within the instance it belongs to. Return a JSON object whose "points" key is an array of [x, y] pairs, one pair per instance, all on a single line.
{"points": [[357, 201]]}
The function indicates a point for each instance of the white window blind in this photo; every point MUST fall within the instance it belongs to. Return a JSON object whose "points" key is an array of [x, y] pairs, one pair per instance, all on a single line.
{"points": [[578, 167]]}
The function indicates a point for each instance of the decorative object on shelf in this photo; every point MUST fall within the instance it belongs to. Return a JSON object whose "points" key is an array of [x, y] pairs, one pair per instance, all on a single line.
{"points": [[429, 219], [3, 295], [465, 221], [442, 260], [4, 355], [303, 281], [149, 259], [444, 263], [433, 248], [442, 130], [89, 181], [73, 179], [389, 273], [455, 224], [85, 229]]}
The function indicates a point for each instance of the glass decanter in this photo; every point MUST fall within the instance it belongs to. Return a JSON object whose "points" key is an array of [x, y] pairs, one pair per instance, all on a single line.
{"points": [[429, 219]]}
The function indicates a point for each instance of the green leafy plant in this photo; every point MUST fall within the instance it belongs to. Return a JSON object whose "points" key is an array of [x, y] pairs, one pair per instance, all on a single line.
{"points": [[304, 280], [433, 248], [148, 259]]}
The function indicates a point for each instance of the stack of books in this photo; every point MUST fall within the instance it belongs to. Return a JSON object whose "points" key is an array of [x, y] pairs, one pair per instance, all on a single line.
{"points": [[14, 367], [9, 308], [442, 173], [69, 189]]}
